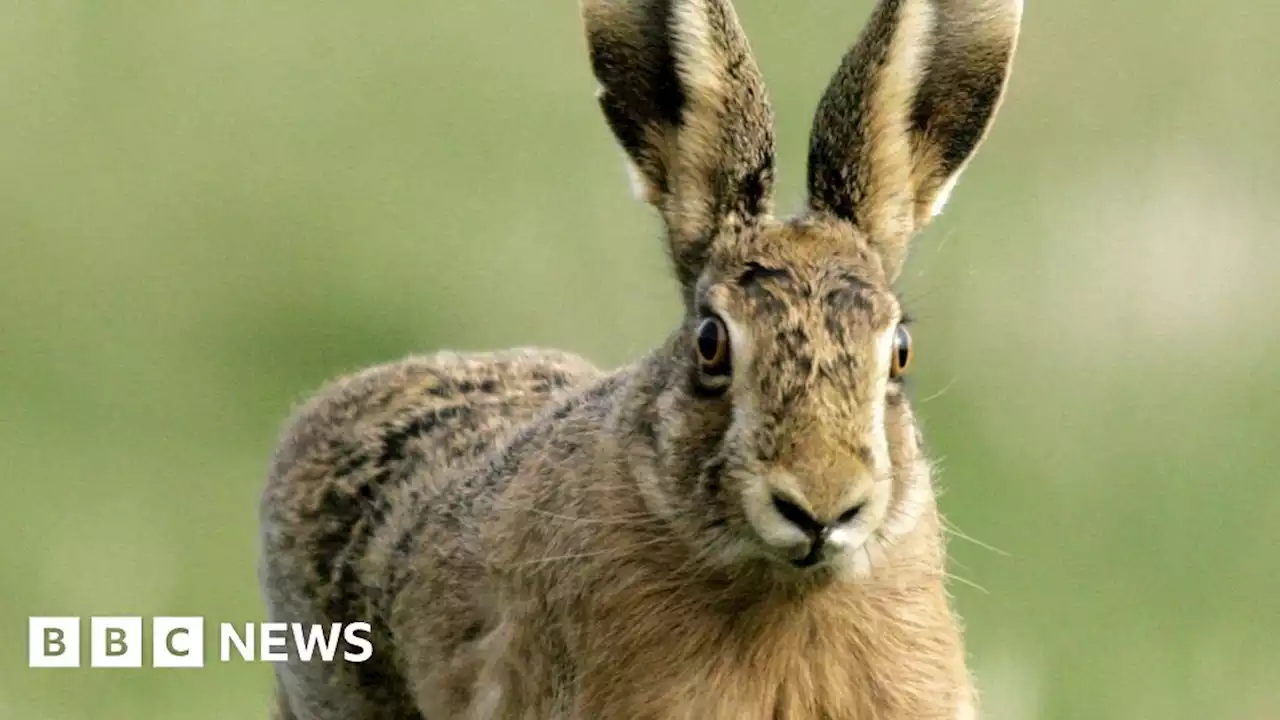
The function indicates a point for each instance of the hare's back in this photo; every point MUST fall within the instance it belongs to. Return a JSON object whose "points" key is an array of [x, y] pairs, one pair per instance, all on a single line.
{"points": [[344, 453]]}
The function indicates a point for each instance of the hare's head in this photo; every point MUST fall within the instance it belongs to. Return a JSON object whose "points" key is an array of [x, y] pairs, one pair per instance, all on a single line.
{"points": [[782, 431]]}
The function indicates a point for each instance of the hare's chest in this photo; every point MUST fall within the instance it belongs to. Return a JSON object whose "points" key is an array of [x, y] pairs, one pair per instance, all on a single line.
{"points": [[746, 694], [801, 675]]}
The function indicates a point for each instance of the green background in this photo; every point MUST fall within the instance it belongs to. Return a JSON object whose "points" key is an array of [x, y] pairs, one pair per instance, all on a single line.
{"points": [[208, 208]]}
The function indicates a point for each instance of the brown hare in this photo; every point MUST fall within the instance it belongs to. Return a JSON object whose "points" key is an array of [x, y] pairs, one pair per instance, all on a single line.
{"points": [[741, 525]]}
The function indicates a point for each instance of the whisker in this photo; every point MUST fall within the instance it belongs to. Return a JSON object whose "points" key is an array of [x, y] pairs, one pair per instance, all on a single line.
{"points": [[970, 583], [950, 528], [943, 391], [634, 520], [942, 244]]}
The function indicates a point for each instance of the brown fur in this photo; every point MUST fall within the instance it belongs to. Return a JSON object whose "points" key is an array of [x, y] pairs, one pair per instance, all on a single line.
{"points": [[534, 539]]}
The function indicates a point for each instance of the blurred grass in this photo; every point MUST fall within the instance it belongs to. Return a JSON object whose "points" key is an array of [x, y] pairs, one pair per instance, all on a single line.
{"points": [[210, 207]]}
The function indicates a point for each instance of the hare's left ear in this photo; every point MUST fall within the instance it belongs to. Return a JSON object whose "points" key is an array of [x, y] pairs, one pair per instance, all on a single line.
{"points": [[907, 109], [682, 94]]}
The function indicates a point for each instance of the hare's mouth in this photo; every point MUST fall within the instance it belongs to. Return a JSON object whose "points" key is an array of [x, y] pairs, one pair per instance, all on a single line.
{"points": [[850, 552]]}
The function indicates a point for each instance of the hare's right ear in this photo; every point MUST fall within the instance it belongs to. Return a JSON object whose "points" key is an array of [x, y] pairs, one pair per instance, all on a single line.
{"points": [[909, 106], [682, 94]]}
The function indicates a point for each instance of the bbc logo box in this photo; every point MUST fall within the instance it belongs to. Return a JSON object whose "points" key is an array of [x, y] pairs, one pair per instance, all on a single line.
{"points": [[115, 642], [53, 642]]}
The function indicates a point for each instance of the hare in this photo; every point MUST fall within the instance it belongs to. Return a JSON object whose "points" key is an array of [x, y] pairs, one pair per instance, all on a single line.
{"points": [[740, 525]]}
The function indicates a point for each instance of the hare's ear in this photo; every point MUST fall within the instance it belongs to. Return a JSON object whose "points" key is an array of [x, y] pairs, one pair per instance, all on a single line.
{"points": [[907, 109], [682, 94]]}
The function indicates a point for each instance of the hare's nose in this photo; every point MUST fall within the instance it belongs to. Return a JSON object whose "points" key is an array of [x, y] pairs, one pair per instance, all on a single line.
{"points": [[814, 529], [812, 526]]}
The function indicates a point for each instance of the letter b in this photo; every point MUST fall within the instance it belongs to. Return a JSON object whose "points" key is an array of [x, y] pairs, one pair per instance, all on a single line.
{"points": [[115, 642], [53, 642]]}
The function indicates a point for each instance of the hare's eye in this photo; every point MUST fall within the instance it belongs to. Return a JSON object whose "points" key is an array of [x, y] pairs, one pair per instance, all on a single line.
{"points": [[901, 360], [712, 341]]}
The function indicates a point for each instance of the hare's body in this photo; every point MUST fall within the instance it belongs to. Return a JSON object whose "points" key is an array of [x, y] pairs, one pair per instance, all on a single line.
{"points": [[739, 526]]}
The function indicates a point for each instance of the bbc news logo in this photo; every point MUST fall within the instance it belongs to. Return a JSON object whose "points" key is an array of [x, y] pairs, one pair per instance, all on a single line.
{"points": [[178, 642]]}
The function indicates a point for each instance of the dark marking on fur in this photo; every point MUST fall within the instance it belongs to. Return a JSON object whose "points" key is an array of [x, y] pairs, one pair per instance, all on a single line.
{"points": [[864, 455], [473, 632], [756, 272]]}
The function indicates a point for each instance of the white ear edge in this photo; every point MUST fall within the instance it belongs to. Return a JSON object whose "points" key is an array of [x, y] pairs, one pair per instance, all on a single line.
{"points": [[944, 194], [889, 119], [641, 188]]}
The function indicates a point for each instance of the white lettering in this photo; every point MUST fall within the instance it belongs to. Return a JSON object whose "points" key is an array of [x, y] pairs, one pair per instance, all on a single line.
{"points": [[273, 636], [353, 638], [228, 637], [314, 637]]}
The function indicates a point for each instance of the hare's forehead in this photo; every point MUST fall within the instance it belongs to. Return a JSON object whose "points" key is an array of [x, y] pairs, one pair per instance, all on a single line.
{"points": [[835, 326], [835, 301], [801, 256], [809, 330]]}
